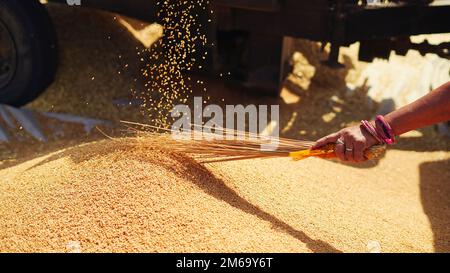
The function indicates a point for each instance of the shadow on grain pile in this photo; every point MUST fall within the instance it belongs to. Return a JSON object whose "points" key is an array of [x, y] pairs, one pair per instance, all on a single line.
{"points": [[434, 192], [187, 168]]}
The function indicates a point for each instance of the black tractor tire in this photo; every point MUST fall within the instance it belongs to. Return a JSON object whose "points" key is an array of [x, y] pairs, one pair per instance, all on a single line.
{"points": [[28, 51]]}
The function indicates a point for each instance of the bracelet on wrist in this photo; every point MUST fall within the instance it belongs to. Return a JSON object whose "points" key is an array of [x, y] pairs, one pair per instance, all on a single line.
{"points": [[382, 131]]}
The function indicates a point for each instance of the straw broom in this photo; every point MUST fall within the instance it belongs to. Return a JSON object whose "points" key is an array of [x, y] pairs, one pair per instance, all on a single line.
{"points": [[219, 147]]}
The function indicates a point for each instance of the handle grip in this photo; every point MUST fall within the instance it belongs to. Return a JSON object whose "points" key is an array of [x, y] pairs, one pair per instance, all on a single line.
{"points": [[328, 151]]}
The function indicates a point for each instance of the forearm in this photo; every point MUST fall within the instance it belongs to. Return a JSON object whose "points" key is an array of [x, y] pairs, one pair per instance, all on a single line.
{"points": [[430, 109]]}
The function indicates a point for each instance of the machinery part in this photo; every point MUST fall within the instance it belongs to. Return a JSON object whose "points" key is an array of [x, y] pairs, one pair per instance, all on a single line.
{"points": [[442, 49], [14, 119], [249, 60], [28, 55], [23, 118], [339, 22], [369, 50], [338, 33], [381, 48]]}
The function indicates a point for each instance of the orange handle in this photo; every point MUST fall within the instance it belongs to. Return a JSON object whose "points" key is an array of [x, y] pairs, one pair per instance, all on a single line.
{"points": [[327, 151]]}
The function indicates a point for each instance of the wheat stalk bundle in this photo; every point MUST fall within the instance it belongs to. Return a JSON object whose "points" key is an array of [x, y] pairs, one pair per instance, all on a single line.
{"points": [[219, 147]]}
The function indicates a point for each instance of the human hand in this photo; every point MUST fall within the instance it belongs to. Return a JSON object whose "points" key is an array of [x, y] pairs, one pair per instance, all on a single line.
{"points": [[350, 143]]}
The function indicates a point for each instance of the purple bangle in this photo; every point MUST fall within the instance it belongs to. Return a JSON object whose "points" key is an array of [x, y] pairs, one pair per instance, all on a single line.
{"points": [[384, 130]]}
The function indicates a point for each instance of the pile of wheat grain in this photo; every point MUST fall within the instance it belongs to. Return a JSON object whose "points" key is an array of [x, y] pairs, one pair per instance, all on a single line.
{"points": [[109, 197]]}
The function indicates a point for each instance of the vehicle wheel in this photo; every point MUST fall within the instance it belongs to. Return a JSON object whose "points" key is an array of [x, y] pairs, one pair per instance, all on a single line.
{"points": [[28, 54]]}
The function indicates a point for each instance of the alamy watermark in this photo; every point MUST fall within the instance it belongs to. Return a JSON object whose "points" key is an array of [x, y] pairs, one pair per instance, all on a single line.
{"points": [[209, 121]]}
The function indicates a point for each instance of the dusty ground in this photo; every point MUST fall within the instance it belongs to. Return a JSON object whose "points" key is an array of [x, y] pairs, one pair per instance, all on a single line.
{"points": [[68, 196]]}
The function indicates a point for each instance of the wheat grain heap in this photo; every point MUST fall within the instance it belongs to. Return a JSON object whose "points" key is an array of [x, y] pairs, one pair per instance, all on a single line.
{"points": [[105, 196]]}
